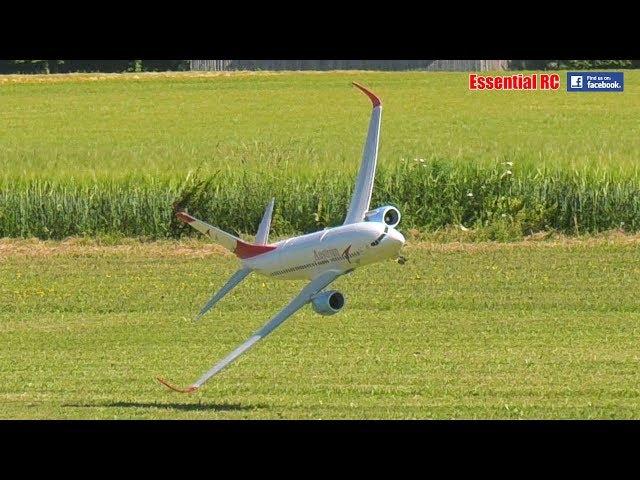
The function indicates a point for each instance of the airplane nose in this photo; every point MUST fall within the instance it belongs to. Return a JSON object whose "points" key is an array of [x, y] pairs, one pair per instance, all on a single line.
{"points": [[396, 237]]}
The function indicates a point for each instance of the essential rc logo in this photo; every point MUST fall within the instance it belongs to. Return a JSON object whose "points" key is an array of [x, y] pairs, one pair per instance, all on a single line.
{"points": [[534, 81], [595, 81]]}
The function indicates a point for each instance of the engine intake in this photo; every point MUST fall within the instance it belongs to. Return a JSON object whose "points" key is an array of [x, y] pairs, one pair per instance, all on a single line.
{"points": [[388, 215], [328, 303]]}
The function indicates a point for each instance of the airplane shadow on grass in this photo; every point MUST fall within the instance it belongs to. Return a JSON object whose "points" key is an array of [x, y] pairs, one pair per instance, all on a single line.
{"points": [[185, 407]]}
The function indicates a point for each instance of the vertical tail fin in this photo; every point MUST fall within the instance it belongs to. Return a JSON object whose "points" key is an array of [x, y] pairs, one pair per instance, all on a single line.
{"points": [[263, 230]]}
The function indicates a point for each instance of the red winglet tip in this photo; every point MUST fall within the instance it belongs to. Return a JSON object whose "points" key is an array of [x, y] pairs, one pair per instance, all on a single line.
{"points": [[374, 98], [185, 217], [190, 389]]}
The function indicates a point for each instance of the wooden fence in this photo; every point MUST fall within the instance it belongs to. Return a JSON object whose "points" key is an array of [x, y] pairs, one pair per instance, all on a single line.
{"points": [[426, 65]]}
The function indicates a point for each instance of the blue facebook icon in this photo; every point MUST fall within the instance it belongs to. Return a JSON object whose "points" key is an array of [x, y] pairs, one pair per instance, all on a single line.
{"points": [[576, 81], [595, 81]]}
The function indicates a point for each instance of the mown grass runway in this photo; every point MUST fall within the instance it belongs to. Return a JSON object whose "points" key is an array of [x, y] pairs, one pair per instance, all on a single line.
{"points": [[523, 330]]}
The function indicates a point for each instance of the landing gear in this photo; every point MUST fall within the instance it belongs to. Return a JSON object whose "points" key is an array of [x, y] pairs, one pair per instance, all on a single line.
{"points": [[401, 260]]}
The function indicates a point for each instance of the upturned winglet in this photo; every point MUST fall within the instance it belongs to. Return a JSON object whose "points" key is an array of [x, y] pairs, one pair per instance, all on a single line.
{"points": [[190, 389], [374, 98]]}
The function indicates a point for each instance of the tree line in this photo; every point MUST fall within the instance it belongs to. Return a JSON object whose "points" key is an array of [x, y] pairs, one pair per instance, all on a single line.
{"points": [[110, 66], [573, 64], [119, 66]]}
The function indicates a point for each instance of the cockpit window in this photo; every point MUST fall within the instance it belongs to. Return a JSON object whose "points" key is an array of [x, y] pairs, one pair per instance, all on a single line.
{"points": [[378, 240]]}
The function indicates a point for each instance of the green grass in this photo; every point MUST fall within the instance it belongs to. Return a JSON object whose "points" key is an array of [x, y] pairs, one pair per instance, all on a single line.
{"points": [[526, 330], [168, 125], [523, 330], [111, 156]]}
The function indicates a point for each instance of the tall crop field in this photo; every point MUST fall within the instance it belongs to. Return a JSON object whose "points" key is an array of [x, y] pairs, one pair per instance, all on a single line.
{"points": [[117, 155]]}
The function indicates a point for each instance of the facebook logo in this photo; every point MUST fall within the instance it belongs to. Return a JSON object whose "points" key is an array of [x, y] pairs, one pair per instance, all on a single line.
{"points": [[595, 81], [576, 81]]}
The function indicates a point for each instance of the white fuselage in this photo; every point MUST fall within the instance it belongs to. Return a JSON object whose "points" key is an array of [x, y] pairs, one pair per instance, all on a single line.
{"points": [[341, 248]]}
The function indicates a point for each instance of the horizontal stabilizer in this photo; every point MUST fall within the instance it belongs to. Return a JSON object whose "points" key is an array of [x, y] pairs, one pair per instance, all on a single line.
{"points": [[241, 248], [235, 279]]}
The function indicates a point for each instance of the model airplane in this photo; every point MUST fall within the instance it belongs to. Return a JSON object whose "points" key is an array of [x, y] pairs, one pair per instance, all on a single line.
{"points": [[366, 236]]}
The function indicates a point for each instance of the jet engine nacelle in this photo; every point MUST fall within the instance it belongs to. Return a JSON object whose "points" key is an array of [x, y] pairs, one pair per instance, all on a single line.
{"points": [[389, 215], [328, 303]]}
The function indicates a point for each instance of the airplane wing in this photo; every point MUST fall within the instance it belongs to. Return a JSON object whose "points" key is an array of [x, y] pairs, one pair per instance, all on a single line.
{"points": [[296, 304], [364, 183]]}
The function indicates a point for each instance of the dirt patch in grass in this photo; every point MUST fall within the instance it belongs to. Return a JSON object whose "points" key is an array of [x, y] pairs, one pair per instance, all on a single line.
{"points": [[536, 241], [87, 247], [138, 76], [195, 248]]}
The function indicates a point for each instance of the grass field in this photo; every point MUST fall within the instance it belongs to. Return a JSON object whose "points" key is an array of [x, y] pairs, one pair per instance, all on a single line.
{"points": [[522, 330], [165, 125], [109, 154], [475, 329]]}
